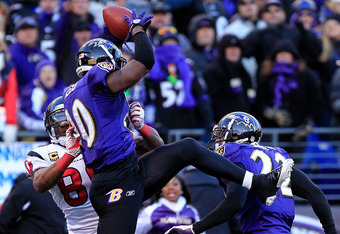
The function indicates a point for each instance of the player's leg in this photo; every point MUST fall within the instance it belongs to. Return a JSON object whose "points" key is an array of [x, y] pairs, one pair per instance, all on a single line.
{"points": [[160, 165], [116, 196]]}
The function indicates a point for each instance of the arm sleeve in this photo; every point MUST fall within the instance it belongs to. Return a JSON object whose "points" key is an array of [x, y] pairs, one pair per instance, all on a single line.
{"points": [[227, 209], [144, 50], [303, 187]]}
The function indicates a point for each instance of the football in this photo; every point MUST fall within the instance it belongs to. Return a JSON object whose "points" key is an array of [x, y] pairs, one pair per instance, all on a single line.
{"points": [[114, 19]]}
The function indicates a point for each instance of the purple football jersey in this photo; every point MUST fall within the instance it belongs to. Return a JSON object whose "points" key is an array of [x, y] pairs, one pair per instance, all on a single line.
{"points": [[255, 217], [99, 116]]}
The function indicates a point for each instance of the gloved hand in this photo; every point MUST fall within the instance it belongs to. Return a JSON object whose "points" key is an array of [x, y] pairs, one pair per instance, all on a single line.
{"points": [[72, 144], [302, 131], [283, 118], [10, 134], [137, 20], [182, 229], [110, 37], [300, 27], [280, 116], [136, 115]]}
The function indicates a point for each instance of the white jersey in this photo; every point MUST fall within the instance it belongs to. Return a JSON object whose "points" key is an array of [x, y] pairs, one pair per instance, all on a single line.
{"points": [[71, 193]]}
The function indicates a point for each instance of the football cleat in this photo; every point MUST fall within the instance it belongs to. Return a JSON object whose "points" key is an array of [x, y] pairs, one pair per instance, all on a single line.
{"points": [[266, 186]]}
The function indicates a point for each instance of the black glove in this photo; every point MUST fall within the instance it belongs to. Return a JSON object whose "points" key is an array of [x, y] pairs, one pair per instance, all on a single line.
{"points": [[300, 27]]}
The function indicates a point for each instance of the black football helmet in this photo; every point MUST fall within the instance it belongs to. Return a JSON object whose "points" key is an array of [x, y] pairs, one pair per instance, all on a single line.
{"points": [[55, 120], [239, 127], [96, 51]]}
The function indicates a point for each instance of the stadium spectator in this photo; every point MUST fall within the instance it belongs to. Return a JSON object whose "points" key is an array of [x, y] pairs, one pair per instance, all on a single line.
{"points": [[248, 20], [74, 13], [237, 137], [329, 7], [229, 84], [288, 92], [35, 98], [260, 42], [26, 211], [306, 12], [178, 91], [8, 95], [335, 98], [49, 12], [202, 34], [331, 48], [81, 34], [17, 10], [162, 17], [167, 208], [26, 53], [214, 8]]}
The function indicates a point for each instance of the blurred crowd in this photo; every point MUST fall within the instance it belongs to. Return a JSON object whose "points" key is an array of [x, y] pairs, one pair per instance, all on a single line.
{"points": [[278, 60]]}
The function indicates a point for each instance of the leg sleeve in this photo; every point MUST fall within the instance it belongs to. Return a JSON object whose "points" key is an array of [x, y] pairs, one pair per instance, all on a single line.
{"points": [[160, 165]]}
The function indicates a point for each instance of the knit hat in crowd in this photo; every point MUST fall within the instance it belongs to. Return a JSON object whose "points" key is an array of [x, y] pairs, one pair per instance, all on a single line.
{"points": [[304, 5], [160, 7], [227, 40], [164, 33], [25, 22], [334, 17], [272, 2], [284, 45], [199, 21]]}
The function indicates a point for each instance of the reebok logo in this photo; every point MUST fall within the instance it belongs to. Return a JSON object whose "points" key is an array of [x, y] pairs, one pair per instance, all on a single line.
{"points": [[130, 193]]}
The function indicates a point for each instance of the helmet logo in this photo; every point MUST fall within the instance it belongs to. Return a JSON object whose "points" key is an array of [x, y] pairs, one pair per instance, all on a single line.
{"points": [[99, 42], [106, 66]]}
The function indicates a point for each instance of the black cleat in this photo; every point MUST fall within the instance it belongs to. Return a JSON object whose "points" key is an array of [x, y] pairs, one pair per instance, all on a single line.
{"points": [[266, 186]]}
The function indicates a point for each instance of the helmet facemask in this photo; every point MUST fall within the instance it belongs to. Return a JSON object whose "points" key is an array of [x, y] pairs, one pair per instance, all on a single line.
{"points": [[55, 121]]}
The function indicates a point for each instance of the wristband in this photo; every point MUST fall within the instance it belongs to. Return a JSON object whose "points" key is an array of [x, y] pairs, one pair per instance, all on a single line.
{"points": [[65, 161], [145, 131]]}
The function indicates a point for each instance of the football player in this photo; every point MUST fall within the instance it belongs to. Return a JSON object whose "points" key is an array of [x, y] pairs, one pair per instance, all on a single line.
{"points": [[70, 186], [237, 137], [96, 106]]}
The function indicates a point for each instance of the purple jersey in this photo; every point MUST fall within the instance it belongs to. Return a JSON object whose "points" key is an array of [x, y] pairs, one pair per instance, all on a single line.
{"points": [[255, 217], [164, 214], [99, 117]]}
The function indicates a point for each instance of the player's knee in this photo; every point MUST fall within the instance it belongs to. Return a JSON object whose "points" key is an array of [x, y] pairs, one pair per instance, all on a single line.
{"points": [[190, 142]]}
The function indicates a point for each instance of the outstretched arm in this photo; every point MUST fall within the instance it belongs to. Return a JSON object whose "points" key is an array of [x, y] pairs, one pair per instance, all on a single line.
{"points": [[144, 59], [227, 209], [302, 186]]}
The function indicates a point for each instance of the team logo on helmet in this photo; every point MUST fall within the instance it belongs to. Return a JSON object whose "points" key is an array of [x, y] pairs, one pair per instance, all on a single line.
{"points": [[243, 119], [106, 66]]}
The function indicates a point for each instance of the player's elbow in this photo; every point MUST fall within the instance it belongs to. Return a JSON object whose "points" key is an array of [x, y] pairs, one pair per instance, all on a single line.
{"points": [[39, 189], [39, 186]]}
